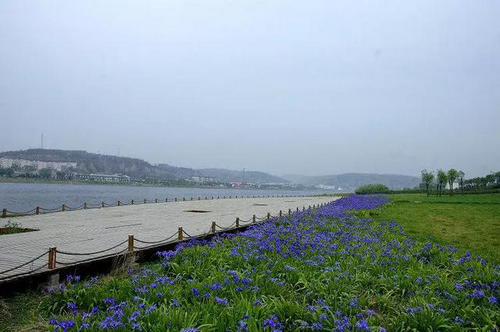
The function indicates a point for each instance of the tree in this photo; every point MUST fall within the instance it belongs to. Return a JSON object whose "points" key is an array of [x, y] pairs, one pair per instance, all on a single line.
{"points": [[372, 189], [441, 179], [427, 178], [452, 177], [45, 173], [461, 176]]}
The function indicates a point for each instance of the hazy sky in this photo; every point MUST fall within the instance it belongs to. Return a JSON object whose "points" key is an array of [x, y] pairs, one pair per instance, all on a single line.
{"points": [[309, 87]]}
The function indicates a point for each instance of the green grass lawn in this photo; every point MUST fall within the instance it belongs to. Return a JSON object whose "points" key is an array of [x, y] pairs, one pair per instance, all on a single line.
{"points": [[468, 222]]}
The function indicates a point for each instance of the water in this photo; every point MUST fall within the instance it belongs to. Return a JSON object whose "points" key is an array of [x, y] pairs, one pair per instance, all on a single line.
{"points": [[20, 197]]}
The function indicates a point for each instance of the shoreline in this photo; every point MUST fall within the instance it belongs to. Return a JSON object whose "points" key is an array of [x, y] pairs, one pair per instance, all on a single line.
{"points": [[185, 185]]}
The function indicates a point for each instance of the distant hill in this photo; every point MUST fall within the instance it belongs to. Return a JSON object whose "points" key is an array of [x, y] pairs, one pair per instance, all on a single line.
{"points": [[134, 167], [226, 175], [355, 180]]}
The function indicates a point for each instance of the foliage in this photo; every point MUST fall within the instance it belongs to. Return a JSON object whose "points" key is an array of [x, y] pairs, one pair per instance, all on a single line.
{"points": [[489, 181], [14, 227], [372, 189], [442, 178], [427, 178], [322, 270], [452, 176]]}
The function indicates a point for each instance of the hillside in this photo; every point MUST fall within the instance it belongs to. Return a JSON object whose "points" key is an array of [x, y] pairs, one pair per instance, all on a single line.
{"points": [[355, 180], [226, 175], [134, 167]]}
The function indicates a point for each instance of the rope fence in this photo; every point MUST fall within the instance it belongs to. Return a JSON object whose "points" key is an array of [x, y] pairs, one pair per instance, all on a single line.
{"points": [[129, 245], [6, 213]]}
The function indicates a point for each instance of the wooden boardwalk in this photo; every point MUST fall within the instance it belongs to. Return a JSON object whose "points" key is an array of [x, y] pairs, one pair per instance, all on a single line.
{"points": [[86, 231]]}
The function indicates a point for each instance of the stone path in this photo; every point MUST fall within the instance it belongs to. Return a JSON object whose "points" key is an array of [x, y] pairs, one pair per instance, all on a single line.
{"points": [[93, 230]]}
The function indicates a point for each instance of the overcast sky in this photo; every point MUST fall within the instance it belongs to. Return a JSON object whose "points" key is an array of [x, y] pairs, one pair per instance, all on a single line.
{"points": [[306, 87]]}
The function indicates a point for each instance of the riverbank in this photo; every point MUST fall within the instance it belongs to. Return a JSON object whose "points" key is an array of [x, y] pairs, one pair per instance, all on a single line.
{"points": [[184, 184]]}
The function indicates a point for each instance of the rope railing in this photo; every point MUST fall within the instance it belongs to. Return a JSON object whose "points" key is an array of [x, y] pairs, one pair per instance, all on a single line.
{"points": [[41, 210], [24, 264], [179, 236], [90, 253], [155, 242]]}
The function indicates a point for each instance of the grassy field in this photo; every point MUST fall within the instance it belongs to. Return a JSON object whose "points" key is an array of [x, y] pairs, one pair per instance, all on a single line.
{"points": [[469, 222]]}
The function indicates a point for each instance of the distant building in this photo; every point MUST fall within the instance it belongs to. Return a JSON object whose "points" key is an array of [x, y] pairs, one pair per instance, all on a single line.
{"points": [[324, 186], [102, 177], [203, 179], [58, 166]]}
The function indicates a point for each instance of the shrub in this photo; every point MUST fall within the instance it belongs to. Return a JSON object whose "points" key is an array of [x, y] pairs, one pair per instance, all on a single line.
{"points": [[372, 189]]}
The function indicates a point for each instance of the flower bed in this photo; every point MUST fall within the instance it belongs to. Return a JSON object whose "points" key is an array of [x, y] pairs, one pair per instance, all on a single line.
{"points": [[324, 270]]}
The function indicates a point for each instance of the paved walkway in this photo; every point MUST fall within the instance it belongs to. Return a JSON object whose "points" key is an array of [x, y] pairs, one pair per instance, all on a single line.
{"points": [[97, 229]]}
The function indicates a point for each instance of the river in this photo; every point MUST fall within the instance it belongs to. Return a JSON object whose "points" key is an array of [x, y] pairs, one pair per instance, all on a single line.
{"points": [[20, 197]]}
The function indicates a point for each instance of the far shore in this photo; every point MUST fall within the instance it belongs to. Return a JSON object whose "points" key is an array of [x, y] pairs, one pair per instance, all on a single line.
{"points": [[135, 184]]}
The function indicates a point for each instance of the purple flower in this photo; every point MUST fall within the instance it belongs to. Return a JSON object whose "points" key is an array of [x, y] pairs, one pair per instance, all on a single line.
{"points": [[362, 325], [317, 326], [222, 301]]}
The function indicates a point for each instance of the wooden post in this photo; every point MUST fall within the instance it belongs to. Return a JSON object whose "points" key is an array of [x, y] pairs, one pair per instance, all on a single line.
{"points": [[281, 213], [37, 210], [309, 208], [213, 227], [52, 258], [156, 200], [4, 213], [102, 204], [132, 202], [131, 242], [180, 234], [175, 199], [303, 209], [118, 203], [145, 201], [85, 206], [63, 207], [289, 211], [268, 216], [166, 200], [297, 209], [183, 198], [254, 219], [237, 222]]}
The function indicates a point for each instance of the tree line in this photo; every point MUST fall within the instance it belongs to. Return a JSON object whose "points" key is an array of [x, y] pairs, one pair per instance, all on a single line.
{"points": [[452, 176]]}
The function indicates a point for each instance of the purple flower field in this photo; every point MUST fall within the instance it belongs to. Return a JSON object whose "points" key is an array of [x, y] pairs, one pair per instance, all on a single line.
{"points": [[323, 270]]}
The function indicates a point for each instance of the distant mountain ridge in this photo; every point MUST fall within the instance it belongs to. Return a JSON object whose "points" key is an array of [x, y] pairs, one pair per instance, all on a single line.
{"points": [[355, 180], [226, 175], [137, 168]]}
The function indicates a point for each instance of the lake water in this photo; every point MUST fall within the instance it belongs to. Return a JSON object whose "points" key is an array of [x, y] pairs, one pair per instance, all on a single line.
{"points": [[20, 197]]}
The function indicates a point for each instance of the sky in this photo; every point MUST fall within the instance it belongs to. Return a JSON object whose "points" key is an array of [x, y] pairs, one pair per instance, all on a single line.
{"points": [[287, 87]]}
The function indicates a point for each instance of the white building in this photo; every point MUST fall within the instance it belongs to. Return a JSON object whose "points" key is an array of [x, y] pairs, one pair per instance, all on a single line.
{"points": [[203, 179], [58, 166]]}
